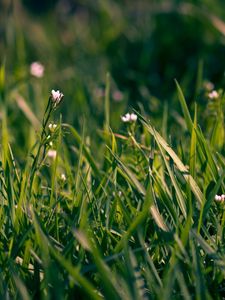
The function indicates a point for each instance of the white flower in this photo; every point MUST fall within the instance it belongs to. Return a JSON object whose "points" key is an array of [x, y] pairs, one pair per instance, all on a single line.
{"points": [[126, 118], [133, 117], [218, 198], [213, 95], [63, 177], [56, 97], [129, 118], [52, 127], [37, 69], [52, 153]]}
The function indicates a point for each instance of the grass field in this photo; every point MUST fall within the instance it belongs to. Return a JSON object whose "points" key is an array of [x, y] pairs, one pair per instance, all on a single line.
{"points": [[96, 203]]}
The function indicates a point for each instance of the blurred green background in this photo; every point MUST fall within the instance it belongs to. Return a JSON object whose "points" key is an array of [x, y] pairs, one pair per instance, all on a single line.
{"points": [[144, 45]]}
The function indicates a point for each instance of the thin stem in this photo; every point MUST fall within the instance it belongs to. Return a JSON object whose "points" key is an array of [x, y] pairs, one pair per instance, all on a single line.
{"points": [[35, 166]]}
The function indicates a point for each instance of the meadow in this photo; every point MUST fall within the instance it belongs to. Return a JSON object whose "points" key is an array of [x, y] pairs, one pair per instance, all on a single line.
{"points": [[112, 150]]}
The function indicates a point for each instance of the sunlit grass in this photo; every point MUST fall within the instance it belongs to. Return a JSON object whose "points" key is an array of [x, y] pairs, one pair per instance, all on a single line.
{"points": [[139, 223], [109, 192]]}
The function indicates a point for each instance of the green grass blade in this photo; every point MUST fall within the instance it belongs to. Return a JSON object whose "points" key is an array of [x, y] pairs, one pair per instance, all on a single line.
{"points": [[193, 146], [86, 151], [107, 103], [184, 107], [181, 167]]}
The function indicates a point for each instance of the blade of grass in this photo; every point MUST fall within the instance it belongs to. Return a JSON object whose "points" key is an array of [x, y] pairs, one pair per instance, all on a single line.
{"points": [[86, 151], [180, 197], [184, 107], [192, 159], [189, 179], [107, 103]]}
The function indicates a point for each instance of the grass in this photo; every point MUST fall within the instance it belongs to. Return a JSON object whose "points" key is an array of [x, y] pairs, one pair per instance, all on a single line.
{"points": [[141, 223], [97, 208]]}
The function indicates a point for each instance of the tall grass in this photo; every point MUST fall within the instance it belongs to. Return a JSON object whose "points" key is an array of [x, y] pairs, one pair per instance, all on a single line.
{"points": [[95, 208], [140, 223]]}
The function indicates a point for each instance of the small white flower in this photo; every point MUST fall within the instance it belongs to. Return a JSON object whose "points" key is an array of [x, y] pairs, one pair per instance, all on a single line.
{"points": [[129, 118], [133, 117], [51, 144], [56, 97], [52, 153], [213, 95], [218, 198], [126, 118], [222, 197], [37, 69], [52, 127], [63, 177]]}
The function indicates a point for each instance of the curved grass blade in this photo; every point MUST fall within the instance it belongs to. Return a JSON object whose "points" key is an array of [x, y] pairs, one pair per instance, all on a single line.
{"points": [[180, 197], [181, 167], [184, 107]]}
